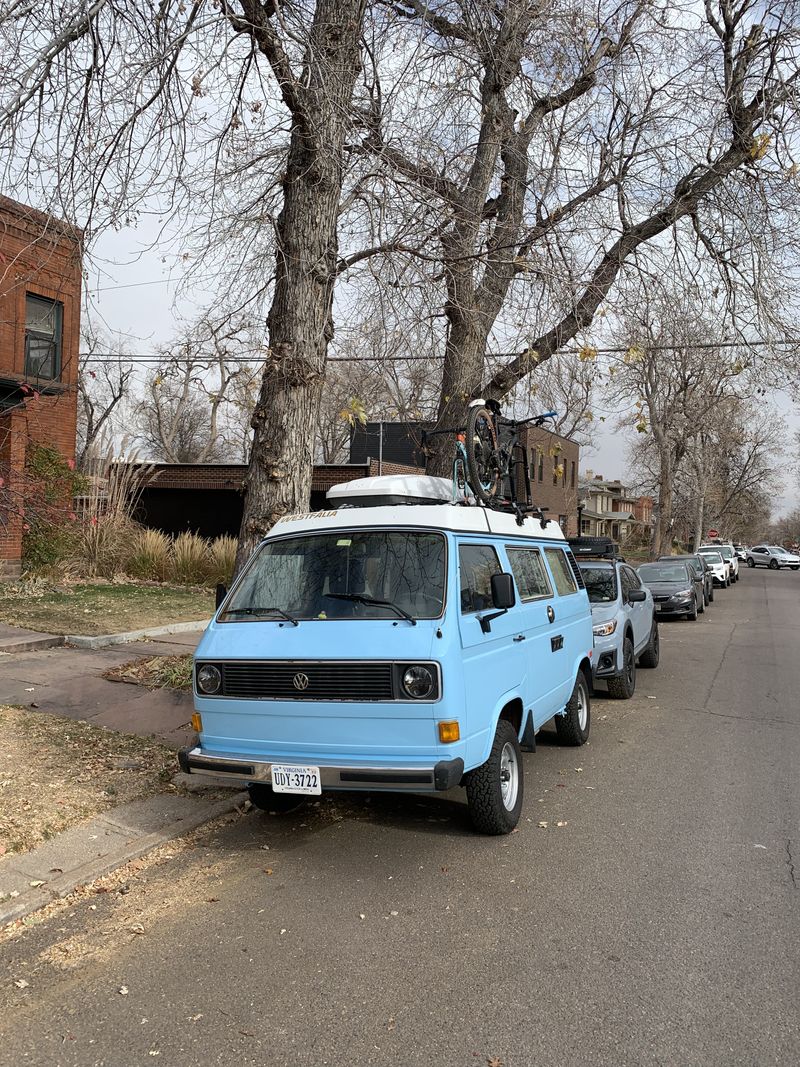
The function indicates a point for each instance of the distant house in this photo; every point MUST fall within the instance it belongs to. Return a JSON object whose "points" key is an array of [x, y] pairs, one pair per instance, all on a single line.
{"points": [[553, 461], [40, 294], [609, 509]]}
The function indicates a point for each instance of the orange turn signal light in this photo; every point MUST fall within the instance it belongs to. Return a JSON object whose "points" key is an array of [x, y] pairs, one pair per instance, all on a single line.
{"points": [[197, 722], [449, 731]]}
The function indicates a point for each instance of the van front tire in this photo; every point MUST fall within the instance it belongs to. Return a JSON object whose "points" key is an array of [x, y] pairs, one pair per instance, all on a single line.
{"points": [[495, 789], [573, 726], [263, 798]]}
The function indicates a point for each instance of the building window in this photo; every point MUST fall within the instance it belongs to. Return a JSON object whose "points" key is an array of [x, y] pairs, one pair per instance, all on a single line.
{"points": [[43, 320], [586, 526], [572, 476], [541, 464], [555, 470]]}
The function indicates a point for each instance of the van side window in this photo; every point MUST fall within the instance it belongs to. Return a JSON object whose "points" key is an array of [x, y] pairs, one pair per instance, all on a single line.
{"points": [[562, 573], [477, 564], [529, 573]]}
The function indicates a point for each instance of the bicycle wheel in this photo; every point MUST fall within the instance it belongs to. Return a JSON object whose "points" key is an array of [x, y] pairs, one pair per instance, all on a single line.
{"points": [[483, 460], [461, 490]]}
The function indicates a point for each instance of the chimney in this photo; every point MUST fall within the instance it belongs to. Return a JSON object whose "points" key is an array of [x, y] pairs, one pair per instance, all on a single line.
{"points": [[589, 475]]}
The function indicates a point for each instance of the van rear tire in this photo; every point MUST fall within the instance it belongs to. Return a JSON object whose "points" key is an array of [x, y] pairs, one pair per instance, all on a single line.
{"points": [[573, 726], [495, 790]]}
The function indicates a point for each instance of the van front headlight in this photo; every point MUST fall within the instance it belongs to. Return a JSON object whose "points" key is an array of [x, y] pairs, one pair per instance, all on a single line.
{"points": [[419, 681], [209, 678]]}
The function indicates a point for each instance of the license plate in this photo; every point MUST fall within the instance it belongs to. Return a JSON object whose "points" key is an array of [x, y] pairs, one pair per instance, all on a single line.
{"points": [[291, 778], [659, 607]]}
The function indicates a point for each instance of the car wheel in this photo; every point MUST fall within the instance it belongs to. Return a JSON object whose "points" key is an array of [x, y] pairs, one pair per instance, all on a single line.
{"points": [[773, 565], [573, 726], [795, 567], [263, 798], [701, 606], [692, 615], [751, 563], [495, 789], [624, 685], [711, 595], [649, 658]]}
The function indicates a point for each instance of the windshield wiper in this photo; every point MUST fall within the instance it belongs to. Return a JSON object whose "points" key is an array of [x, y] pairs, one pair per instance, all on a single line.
{"points": [[264, 611], [360, 598]]}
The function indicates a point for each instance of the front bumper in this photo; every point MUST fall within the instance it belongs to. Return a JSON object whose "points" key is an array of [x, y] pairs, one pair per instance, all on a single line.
{"points": [[444, 775], [666, 608], [604, 663]]}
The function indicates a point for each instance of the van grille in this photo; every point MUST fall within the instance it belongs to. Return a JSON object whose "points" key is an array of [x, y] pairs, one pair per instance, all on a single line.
{"points": [[326, 681]]}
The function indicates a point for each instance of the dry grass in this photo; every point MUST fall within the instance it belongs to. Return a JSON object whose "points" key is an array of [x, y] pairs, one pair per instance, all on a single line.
{"points": [[57, 772], [189, 561], [222, 557], [157, 672], [100, 607], [149, 555]]}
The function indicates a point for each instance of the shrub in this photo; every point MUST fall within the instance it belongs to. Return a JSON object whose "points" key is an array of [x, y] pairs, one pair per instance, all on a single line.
{"points": [[222, 557], [49, 536], [106, 524], [149, 555], [189, 564]]}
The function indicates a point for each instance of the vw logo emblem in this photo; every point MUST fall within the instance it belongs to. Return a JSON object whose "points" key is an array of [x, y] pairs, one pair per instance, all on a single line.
{"points": [[300, 681]]}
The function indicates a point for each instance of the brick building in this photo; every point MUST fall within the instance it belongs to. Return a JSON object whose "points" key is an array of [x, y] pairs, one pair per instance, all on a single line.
{"points": [[40, 294], [553, 462]]}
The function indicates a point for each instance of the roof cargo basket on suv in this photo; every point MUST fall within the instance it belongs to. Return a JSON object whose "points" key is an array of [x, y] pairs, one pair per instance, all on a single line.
{"points": [[598, 547]]}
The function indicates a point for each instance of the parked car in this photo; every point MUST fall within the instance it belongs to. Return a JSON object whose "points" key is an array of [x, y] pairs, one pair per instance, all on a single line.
{"points": [[728, 553], [623, 619], [772, 556], [673, 588], [409, 647], [720, 567], [703, 577], [741, 552]]}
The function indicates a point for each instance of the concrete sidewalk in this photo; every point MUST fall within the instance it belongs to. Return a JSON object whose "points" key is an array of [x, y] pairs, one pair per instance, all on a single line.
{"points": [[31, 880], [17, 639], [69, 681]]}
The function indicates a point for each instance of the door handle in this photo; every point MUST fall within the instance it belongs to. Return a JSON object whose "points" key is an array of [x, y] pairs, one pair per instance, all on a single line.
{"points": [[551, 615], [520, 637]]}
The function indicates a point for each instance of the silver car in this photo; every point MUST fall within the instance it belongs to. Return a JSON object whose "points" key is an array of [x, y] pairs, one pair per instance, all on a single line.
{"points": [[772, 556]]}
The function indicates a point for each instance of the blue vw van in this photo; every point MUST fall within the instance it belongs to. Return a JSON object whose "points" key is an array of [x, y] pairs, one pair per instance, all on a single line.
{"points": [[398, 641]]}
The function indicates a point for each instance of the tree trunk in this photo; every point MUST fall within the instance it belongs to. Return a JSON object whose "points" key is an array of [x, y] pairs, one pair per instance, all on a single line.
{"points": [[662, 537], [300, 322]]}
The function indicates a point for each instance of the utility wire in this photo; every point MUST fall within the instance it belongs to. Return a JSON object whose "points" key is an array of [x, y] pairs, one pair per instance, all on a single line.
{"points": [[149, 358]]}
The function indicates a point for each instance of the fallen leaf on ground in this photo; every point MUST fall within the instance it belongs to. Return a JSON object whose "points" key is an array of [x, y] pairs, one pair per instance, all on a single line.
{"points": [[564, 823], [136, 928], [36, 883], [21, 983], [494, 1061], [543, 825], [123, 989]]}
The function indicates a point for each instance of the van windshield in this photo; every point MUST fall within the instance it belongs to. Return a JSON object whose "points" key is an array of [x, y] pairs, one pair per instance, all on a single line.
{"points": [[340, 575]]}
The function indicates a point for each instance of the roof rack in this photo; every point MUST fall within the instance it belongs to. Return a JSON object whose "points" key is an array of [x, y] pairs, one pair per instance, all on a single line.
{"points": [[594, 547]]}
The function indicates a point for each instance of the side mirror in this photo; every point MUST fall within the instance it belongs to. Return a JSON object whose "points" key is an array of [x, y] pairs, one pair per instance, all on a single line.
{"points": [[503, 595], [222, 592], [637, 596]]}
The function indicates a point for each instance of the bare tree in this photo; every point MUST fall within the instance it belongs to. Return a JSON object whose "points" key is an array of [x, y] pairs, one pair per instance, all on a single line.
{"points": [[540, 161], [104, 384]]}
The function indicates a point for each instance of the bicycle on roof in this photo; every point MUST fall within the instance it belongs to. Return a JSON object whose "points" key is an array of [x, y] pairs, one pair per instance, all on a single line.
{"points": [[490, 462]]}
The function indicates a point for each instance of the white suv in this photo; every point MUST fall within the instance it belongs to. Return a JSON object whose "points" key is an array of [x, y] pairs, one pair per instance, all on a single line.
{"points": [[772, 556], [720, 568], [728, 553]]}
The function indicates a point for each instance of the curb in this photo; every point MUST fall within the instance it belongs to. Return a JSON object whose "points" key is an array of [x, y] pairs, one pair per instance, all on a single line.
{"points": [[102, 640], [31, 644], [30, 868]]}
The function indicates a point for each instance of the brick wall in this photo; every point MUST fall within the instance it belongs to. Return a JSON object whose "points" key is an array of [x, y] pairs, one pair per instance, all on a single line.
{"points": [[560, 463], [41, 256]]}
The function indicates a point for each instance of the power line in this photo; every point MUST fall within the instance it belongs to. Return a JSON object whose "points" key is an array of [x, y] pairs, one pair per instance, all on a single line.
{"points": [[150, 358]]}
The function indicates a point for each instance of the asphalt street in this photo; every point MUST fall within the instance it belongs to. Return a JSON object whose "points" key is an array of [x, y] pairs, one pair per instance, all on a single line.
{"points": [[654, 919]]}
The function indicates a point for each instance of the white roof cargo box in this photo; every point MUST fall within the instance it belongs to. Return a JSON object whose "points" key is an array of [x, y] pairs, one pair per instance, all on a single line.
{"points": [[390, 489]]}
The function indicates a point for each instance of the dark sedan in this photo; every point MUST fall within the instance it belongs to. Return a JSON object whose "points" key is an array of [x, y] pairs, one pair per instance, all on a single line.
{"points": [[703, 576], [673, 587]]}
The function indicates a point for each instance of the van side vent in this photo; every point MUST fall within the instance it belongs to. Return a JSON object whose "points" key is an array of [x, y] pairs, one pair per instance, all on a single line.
{"points": [[576, 570]]}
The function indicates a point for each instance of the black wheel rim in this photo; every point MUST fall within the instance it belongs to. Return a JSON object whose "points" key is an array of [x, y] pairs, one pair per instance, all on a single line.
{"points": [[484, 452]]}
